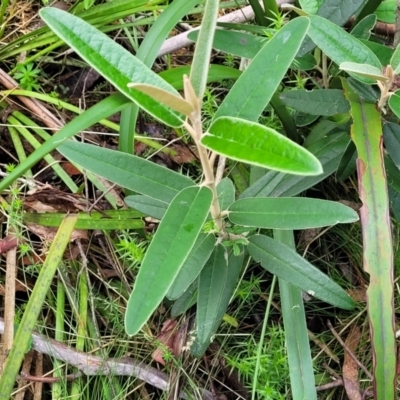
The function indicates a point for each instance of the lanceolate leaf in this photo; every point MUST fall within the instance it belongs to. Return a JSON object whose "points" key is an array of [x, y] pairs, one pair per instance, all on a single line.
{"points": [[365, 70], [166, 254], [238, 43], [363, 29], [377, 240], [258, 145], [129, 171], [111, 60], [328, 150], [226, 193], [186, 300], [366, 92], [169, 99], [284, 262], [386, 12], [216, 73], [317, 102], [336, 11], [384, 53], [218, 280], [394, 103], [340, 46], [391, 136], [310, 6], [192, 266], [147, 205], [258, 83], [289, 213], [395, 60]]}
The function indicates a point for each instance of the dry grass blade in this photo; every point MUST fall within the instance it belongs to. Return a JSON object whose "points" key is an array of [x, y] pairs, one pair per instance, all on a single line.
{"points": [[92, 365]]}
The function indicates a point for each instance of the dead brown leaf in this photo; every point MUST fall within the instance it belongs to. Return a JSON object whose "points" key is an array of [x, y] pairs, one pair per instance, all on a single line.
{"points": [[358, 294], [350, 368], [50, 199], [47, 233], [183, 155], [167, 338]]}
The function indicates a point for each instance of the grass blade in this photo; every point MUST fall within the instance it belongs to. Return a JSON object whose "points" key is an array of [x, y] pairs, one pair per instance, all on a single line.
{"points": [[377, 240], [103, 109], [287, 264], [294, 320], [34, 306]]}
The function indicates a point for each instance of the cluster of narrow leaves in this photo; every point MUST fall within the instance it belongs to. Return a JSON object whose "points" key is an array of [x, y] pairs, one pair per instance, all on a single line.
{"points": [[183, 257]]}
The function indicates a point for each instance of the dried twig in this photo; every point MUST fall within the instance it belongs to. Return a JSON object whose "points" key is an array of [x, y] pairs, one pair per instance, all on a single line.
{"points": [[35, 106], [92, 365], [338, 338]]}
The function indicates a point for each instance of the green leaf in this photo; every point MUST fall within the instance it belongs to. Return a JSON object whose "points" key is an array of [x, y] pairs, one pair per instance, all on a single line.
{"points": [[348, 162], [366, 132], [161, 28], [289, 213], [186, 300], [216, 73], [232, 42], [126, 170], [364, 70], [304, 63], [147, 205], [258, 145], [391, 137], [258, 83], [392, 173], [328, 150], [284, 262], [394, 103], [363, 29], [177, 103], [217, 283], [366, 92], [226, 193], [192, 266], [336, 11], [384, 53], [296, 336], [340, 46], [325, 102], [107, 219], [310, 6], [395, 60], [386, 12], [111, 60], [35, 305], [171, 245], [394, 198]]}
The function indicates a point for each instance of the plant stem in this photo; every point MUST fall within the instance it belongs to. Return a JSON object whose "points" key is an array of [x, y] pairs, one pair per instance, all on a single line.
{"points": [[197, 132], [325, 71], [263, 330]]}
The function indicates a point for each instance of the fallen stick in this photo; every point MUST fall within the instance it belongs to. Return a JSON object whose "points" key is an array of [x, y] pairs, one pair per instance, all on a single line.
{"points": [[91, 365], [238, 17]]}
